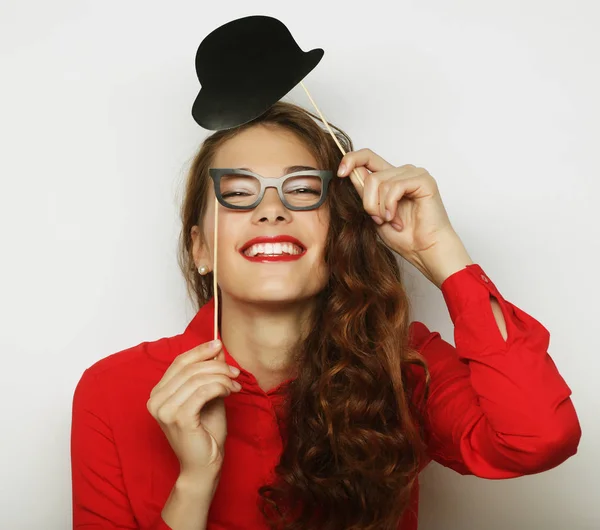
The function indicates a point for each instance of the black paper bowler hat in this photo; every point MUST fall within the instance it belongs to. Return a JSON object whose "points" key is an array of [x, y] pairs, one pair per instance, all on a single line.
{"points": [[246, 66]]}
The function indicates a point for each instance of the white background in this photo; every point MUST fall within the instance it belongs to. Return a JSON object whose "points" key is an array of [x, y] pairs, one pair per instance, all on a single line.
{"points": [[498, 100]]}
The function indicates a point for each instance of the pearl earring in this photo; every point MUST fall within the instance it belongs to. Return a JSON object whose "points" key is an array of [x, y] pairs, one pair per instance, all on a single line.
{"points": [[203, 269]]}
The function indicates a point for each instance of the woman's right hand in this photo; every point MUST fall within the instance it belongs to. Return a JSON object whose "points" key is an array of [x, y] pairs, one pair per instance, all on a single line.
{"points": [[188, 405]]}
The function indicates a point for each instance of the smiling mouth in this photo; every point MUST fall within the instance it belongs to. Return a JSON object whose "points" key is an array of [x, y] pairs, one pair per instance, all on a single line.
{"points": [[273, 250]]}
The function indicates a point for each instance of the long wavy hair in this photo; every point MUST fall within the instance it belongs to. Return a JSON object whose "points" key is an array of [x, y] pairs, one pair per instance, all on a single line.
{"points": [[353, 441]]}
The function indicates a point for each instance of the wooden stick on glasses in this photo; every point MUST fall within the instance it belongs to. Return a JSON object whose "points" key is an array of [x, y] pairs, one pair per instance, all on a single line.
{"points": [[215, 286]]}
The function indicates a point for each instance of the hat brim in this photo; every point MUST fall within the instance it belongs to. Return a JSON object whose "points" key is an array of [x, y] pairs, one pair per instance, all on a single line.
{"points": [[240, 100]]}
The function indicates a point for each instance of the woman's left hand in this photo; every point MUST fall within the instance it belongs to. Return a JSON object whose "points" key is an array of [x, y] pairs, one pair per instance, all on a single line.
{"points": [[406, 204]]}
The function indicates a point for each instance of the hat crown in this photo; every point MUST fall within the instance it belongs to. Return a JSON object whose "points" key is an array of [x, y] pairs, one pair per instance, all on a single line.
{"points": [[244, 67], [258, 40]]}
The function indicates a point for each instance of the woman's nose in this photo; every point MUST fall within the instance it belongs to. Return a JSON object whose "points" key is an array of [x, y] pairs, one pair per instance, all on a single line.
{"points": [[271, 205], [271, 197]]}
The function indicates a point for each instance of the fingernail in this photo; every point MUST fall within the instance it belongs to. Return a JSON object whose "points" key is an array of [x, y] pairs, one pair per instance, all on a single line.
{"points": [[342, 169], [214, 344], [234, 370], [388, 215], [397, 226], [377, 219], [237, 386]]}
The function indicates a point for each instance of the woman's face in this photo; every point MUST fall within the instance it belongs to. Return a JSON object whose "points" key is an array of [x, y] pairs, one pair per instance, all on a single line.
{"points": [[268, 151]]}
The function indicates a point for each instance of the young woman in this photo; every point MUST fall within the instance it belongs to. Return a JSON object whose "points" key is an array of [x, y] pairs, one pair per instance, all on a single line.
{"points": [[324, 401]]}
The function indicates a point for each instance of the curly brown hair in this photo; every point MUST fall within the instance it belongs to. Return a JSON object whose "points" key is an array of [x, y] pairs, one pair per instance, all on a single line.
{"points": [[353, 439]]}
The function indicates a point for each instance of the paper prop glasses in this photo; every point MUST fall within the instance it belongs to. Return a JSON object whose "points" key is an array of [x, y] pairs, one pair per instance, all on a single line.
{"points": [[240, 189]]}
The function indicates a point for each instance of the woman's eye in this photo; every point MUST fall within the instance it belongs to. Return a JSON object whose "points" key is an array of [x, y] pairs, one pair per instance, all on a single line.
{"points": [[235, 194], [305, 190]]}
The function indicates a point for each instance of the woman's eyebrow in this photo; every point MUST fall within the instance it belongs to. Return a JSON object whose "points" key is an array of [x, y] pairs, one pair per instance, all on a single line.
{"points": [[291, 169]]}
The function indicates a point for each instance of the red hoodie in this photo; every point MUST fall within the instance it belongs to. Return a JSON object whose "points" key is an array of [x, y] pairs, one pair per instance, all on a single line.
{"points": [[497, 409]]}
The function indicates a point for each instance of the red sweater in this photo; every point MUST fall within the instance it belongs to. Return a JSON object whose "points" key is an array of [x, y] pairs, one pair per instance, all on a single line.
{"points": [[497, 409]]}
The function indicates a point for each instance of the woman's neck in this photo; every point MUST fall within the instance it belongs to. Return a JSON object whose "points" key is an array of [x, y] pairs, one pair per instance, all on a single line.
{"points": [[261, 336]]}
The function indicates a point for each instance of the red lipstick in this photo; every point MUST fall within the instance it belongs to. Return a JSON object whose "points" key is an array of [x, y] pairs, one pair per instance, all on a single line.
{"points": [[273, 239]]}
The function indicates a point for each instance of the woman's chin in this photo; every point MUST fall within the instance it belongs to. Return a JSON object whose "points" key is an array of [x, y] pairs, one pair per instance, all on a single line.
{"points": [[279, 295]]}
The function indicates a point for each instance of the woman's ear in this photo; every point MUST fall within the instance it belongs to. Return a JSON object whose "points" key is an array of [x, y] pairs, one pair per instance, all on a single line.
{"points": [[200, 251]]}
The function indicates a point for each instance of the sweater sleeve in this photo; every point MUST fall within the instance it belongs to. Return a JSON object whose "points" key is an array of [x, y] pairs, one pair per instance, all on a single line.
{"points": [[496, 408], [99, 496]]}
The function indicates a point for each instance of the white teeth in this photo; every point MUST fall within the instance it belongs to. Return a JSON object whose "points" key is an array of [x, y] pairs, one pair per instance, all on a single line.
{"points": [[273, 249]]}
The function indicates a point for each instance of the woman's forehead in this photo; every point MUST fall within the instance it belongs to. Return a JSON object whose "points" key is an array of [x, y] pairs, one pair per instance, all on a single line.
{"points": [[264, 149]]}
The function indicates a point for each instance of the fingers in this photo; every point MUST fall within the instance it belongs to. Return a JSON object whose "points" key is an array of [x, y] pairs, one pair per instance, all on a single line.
{"points": [[363, 157], [220, 355], [383, 190], [189, 372], [391, 195], [376, 188], [202, 352], [203, 395], [418, 185], [377, 174], [166, 408]]}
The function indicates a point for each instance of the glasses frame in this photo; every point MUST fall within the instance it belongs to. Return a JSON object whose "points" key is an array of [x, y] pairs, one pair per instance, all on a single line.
{"points": [[277, 183]]}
